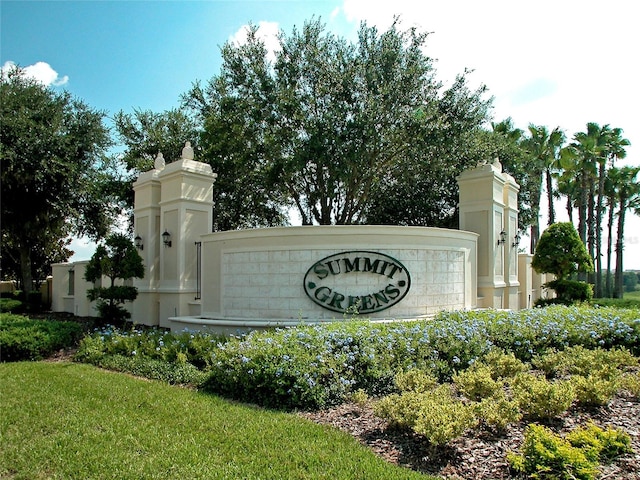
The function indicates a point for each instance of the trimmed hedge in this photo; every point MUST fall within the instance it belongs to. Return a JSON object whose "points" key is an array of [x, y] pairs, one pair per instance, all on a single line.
{"points": [[24, 339]]}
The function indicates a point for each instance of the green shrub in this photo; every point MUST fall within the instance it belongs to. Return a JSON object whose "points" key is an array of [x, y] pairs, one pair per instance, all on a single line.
{"points": [[318, 365], [548, 302], [359, 397], [596, 389], [436, 414], [571, 291], [498, 411], [415, 380], [10, 305], [631, 383], [561, 252], [504, 365], [546, 455], [598, 444], [477, 382], [578, 360], [540, 399], [172, 373], [25, 339]]}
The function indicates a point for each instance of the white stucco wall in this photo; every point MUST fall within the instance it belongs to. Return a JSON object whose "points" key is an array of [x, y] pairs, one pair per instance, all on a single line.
{"points": [[259, 274]]}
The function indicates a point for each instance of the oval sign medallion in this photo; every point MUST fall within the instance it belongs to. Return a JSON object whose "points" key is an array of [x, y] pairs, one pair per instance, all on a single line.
{"points": [[358, 282]]}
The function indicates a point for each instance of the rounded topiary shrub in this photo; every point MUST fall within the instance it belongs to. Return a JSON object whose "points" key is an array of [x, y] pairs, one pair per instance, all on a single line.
{"points": [[561, 253]]}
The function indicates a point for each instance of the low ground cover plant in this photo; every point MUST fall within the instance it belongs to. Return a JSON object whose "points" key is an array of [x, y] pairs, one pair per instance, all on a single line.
{"points": [[435, 414], [24, 339], [547, 455]]}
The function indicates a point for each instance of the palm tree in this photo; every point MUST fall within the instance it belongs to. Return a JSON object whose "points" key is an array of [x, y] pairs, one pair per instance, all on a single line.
{"points": [[610, 189], [628, 190], [544, 152], [614, 148], [589, 147]]}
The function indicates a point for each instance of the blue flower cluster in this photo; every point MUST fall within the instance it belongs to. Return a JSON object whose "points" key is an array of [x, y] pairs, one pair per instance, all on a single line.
{"points": [[318, 365]]}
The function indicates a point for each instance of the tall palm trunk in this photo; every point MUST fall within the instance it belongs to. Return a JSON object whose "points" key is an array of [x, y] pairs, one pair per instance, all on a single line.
{"points": [[599, 214], [535, 221], [608, 286], [591, 226], [582, 213], [570, 208], [552, 212], [618, 281]]}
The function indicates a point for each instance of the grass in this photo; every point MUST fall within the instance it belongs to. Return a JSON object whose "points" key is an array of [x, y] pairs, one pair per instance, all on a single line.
{"points": [[635, 295], [71, 421], [629, 300]]}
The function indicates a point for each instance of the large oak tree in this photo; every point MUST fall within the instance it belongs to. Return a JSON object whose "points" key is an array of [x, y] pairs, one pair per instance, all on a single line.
{"points": [[345, 132], [54, 175]]}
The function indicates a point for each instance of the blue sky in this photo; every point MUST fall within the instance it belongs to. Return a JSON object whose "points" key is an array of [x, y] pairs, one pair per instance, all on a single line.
{"points": [[554, 63]]}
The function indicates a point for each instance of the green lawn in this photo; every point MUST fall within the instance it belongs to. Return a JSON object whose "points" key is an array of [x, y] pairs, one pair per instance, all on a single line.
{"points": [[632, 295], [72, 421]]}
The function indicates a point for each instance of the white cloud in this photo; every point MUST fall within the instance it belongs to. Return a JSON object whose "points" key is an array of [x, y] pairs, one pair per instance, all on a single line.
{"points": [[578, 55], [39, 71], [267, 32]]}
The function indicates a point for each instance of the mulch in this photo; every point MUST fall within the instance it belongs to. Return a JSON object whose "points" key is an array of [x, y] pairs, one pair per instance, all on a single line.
{"points": [[478, 455]]}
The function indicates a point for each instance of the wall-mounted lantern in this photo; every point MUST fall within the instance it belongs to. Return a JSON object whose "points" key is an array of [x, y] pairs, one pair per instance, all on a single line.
{"points": [[516, 240], [503, 237], [138, 242], [166, 239]]}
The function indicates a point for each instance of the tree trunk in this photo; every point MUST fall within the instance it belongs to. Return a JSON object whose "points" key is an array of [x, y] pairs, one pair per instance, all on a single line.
{"points": [[582, 215], [552, 212], [591, 228], [609, 291], [599, 215], [570, 208], [618, 287], [25, 267], [535, 220]]}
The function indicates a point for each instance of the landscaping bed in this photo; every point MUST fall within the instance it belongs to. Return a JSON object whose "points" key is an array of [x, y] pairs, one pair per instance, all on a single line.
{"points": [[559, 367], [478, 455]]}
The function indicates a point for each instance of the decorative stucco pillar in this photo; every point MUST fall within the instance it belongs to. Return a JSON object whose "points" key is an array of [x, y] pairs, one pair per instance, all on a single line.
{"points": [[510, 247], [482, 210], [173, 209], [146, 214], [186, 213]]}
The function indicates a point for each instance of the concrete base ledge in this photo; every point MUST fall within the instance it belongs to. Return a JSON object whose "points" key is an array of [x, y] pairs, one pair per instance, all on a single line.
{"points": [[229, 326]]}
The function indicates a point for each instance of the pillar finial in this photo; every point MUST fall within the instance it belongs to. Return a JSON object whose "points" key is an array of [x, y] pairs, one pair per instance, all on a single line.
{"points": [[187, 151], [159, 162]]}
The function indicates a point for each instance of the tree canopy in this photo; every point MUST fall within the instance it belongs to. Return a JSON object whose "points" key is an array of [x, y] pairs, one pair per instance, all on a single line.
{"points": [[339, 130], [55, 178]]}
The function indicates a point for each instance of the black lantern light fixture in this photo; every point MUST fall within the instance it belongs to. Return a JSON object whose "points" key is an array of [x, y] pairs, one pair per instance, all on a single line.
{"points": [[166, 239], [138, 242], [503, 237], [516, 240]]}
